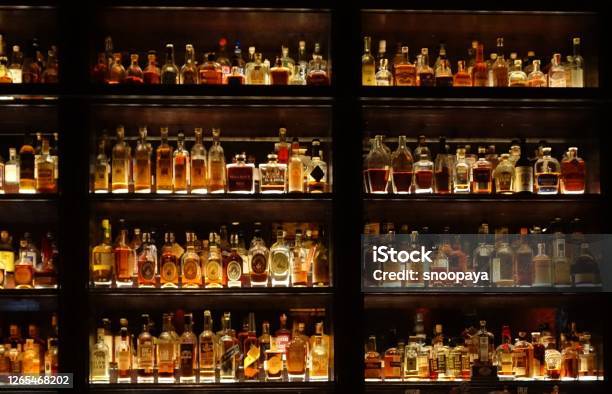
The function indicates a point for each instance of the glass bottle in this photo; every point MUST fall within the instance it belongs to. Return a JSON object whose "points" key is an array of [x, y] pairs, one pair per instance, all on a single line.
{"points": [[102, 169], [210, 71], [539, 365], [147, 263], [483, 253], [279, 74], [198, 165], [188, 352], [234, 266], [145, 359], [227, 349], [377, 166], [11, 173], [123, 355], [504, 354], [51, 72], [368, 64], [461, 173], [572, 173], [542, 267], [425, 73], [252, 352], [142, 163], [522, 357], [213, 270], [317, 69], [102, 258], [444, 73], [577, 66], [300, 262], [280, 256], [517, 77], [189, 72], [134, 74], [392, 359], [273, 176], [295, 168], [462, 78], [296, 355], [27, 165], [7, 261], [31, 68], [423, 175], [536, 78], [169, 71], [15, 68], [585, 270], [553, 359], [569, 357], [402, 165], [25, 265], [523, 172], [191, 271], [405, 72], [560, 263], [120, 164], [502, 264], [207, 350], [482, 179], [524, 261], [485, 345], [587, 358], [258, 257], [166, 352], [556, 73], [123, 265], [547, 173], [372, 360], [168, 264], [240, 177], [257, 72], [164, 167], [117, 71], [383, 75], [500, 67], [45, 170], [480, 74], [152, 73], [320, 265], [504, 175], [443, 169], [99, 360], [216, 165], [181, 173]]}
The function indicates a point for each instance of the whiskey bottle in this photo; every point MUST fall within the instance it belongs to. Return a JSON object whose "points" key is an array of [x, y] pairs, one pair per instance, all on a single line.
{"points": [[15, 70], [402, 168], [169, 71], [480, 77], [240, 176], [123, 261], [392, 359], [151, 74], [142, 163], [539, 364], [405, 71], [46, 275], [482, 179], [296, 355], [377, 167], [7, 261], [198, 165], [504, 175], [45, 171], [279, 261], [146, 354], [522, 357], [214, 269], [123, 355], [295, 168], [164, 167], [556, 73], [483, 253], [168, 264], [368, 64], [229, 349], [560, 262], [321, 269], [442, 169], [102, 258], [27, 182], [536, 78], [166, 352], [572, 173], [504, 354], [300, 262], [189, 71], [577, 66], [462, 77], [116, 70], [207, 350], [524, 261], [502, 264], [134, 73], [252, 352], [317, 69], [102, 169], [188, 352], [210, 71], [383, 75], [180, 163], [279, 74], [120, 163], [485, 345], [100, 360], [547, 173], [500, 67], [147, 262], [423, 175], [216, 165], [316, 171], [11, 173], [372, 360], [234, 265], [273, 176], [542, 267], [443, 72], [584, 270], [425, 73], [517, 77], [191, 274], [523, 172]]}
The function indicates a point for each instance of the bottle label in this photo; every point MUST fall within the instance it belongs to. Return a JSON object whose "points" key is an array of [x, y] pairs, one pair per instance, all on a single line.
{"points": [[275, 364], [187, 358], [23, 274], [280, 264], [145, 356], [26, 168], [234, 271], [317, 174], [213, 271], [103, 261], [169, 270], [147, 270], [99, 363], [207, 354], [504, 181], [191, 269], [7, 260], [523, 179], [462, 175], [259, 264], [548, 180], [483, 349], [405, 75], [252, 356], [123, 360]]}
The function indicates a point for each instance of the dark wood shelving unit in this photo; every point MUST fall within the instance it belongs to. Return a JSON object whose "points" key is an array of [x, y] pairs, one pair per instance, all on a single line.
{"points": [[255, 387]]}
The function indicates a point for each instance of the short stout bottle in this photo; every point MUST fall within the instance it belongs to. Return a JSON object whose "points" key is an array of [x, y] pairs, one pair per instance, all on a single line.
{"points": [[240, 176], [423, 175], [573, 173], [547, 173], [504, 175], [46, 181], [482, 170]]}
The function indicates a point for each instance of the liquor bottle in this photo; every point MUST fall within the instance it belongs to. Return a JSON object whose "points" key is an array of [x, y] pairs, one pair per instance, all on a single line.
{"points": [[577, 66], [443, 169], [522, 357], [273, 176], [504, 354], [207, 350], [536, 78], [282, 147], [145, 354], [368, 64], [517, 77], [569, 357], [152, 73], [45, 276], [480, 73], [50, 73], [280, 261], [134, 74], [296, 353], [188, 352], [483, 253], [560, 263], [444, 73], [7, 261], [504, 175], [30, 359], [301, 67], [500, 67], [402, 164], [462, 77], [164, 167], [189, 71], [279, 74], [123, 267], [502, 264], [210, 71], [15, 70], [552, 359], [439, 262], [116, 70], [252, 352], [169, 74], [320, 265], [236, 75], [405, 72], [102, 258], [120, 164], [482, 179], [142, 163], [587, 357], [240, 176], [216, 165], [191, 271], [383, 75], [461, 173], [100, 360], [572, 173], [316, 170], [300, 262], [166, 352], [556, 73], [27, 182], [295, 168], [123, 355], [547, 173], [234, 264], [257, 72], [392, 358], [168, 264], [45, 171], [99, 73], [425, 73], [229, 348], [524, 261], [213, 270], [542, 267], [102, 169], [539, 365], [523, 172], [181, 173], [377, 167], [585, 270], [222, 58], [485, 347], [31, 71], [258, 257], [372, 360], [198, 165], [1, 175]]}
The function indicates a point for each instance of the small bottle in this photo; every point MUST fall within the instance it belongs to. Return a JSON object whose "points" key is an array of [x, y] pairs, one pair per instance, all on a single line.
{"points": [[402, 165], [317, 69], [482, 179], [556, 73], [134, 74], [423, 175], [15, 68], [227, 343], [51, 72], [240, 176], [279, 74], [252, 352], [210, 71], [517, 77], [584, 269], [444, 73], [124, 267], [504, 175], [169, 71], [384, 76], [152, 74], [273, 176], [372, 360], [536, 78], [189, 72], [257, 73], [522, 357], [547, 173], [462, 78], [461, 173], [573, 173], [425, 73]]}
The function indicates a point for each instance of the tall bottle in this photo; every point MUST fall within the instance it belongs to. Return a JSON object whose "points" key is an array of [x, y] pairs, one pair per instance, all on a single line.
{"points": [[166, 352], [316, 170], [461, 173], [46, 181], [259, 264], [100, 360], [296, 353], [123, 355], [279, 261], [252, 352], [145, 358], [556, 73], [102, 169], [124, 261], [198, 165], [169, 71], [229, 348], [500, 67], [102, 258], [142, 163], [27, 165], [207, 350], [120, 164], [482, 174], [188, 352], [402, 164], [480, 74], [181, 172], [164, 168], [443, 169], [405, 73], [189, 71], [191, 269], [425, 73], [523, 172], [577, 66], [217, 179]]}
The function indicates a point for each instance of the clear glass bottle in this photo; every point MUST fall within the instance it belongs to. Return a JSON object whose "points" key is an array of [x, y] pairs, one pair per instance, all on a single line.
{"points": [[191, 271], [423, 175], [504, 175], [556, 73], [317, 69], [152, 73], [117, 71], [377, 167], [166, 352], [198, 164], [316, 170], [142, 163], [280, 256], [500, 67], [573, 173], [181, 170], [251, 351], [502, 264], [443, 169], [227, 347], [522, 357], [123, 357], [485, 345], [383, 75], [368, 64], [134, 74], [425, 73], [216, 165], [585, 270], [235, 264], [577, 66], [517, 77], [240, 177], [189, 72], [213, 270], [273, 176], [587, 357], [12, 173], [15, 68], [482, 179], [542, 267], [444, 73], [257, 72], [300, 262], [145, 358], [259, 261], [207, 350], [536, 78], [461, 173], [295, 169], [547, 173], [99, 360], [169, 71], [164, 168], [402, 165]]}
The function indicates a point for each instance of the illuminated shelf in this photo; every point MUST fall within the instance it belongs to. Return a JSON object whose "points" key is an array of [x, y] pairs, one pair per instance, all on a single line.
{"points": [[279, 387]]}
